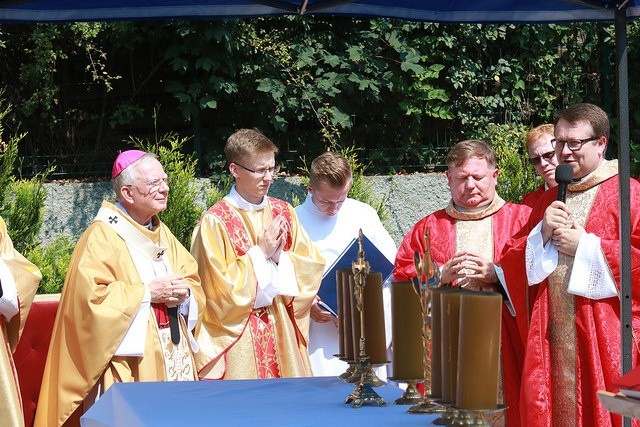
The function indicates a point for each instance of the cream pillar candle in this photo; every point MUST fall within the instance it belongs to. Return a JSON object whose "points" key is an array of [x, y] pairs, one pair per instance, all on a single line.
{"points": [[375, 339], [479, 350], [341, 314], [406, 337], [346, 305], [436, 348], [450, 306]]}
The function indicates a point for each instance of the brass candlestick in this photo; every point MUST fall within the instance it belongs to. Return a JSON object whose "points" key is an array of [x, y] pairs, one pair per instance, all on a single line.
{"points": [[364, 393], [427, 277], [476, 417], [411, 395]]}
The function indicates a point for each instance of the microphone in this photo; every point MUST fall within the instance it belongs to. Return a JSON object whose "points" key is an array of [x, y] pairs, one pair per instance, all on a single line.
{"points": [[564, 176], [174, 325]]}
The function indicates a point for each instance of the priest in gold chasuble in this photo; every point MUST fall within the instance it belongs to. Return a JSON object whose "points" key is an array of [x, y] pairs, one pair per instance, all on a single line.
{"points": [[131, 299], [18, 285], [260, 273]]}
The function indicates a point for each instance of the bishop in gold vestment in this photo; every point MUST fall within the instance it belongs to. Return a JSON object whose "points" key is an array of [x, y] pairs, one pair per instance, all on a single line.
{"points": [[19, 280], [127, 269]]}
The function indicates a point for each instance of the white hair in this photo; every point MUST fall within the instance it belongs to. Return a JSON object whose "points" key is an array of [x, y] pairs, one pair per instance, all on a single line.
{"points": [[128, 175]]}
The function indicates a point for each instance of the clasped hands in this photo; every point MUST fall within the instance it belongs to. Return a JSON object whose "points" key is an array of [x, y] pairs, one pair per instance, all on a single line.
{"points": [[468, 265], [170, 290], [559, 227], [273, 238]]}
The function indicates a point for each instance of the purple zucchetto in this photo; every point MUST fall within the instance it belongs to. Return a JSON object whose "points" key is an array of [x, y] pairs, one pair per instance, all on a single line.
{"points": [[124, 160]]}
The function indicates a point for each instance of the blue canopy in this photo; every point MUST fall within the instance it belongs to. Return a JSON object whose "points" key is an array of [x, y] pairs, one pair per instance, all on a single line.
{"points": [[473, 11]]}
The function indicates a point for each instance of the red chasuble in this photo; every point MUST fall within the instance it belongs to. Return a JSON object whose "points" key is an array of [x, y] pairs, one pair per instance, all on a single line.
{"points": [[506, 221], [563, 392], [532, 198]]}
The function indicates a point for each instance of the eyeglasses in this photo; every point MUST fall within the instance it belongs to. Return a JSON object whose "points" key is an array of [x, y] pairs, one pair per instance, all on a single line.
{"points": [[262, 172], [538, 159], [572, 144], [154, 185]]}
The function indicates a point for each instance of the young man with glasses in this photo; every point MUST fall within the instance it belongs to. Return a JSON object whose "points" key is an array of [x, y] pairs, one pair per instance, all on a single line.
{"points": [[571, 254], [542, 156], [260, 272], [131, 298]]}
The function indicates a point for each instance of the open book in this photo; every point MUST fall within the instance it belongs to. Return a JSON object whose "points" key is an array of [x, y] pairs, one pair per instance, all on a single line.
{"points": [[377, 261]]}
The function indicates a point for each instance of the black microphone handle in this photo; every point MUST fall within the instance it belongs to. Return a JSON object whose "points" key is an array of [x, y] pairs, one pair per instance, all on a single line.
{"points": [[174, 325], [562, 192]]}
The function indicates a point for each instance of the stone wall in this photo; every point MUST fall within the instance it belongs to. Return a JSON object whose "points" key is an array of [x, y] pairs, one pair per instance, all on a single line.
{"points": [[72, 206]]}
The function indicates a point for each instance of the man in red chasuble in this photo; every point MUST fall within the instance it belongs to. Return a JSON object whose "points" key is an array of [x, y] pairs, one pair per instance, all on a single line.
{"points": [[466, 240], [572, 253], [260, 273]]}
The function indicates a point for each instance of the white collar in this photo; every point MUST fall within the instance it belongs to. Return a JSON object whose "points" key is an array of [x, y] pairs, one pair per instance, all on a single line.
{"points": [[584, 178], [148, 225], [235, 198], [312, 208]]}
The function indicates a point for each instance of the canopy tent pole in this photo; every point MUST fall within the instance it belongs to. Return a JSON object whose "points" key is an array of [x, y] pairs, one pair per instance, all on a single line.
{"points": [[624, 156]]}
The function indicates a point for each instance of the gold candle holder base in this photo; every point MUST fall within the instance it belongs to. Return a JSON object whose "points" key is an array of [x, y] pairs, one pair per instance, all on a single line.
{"points": [[356, 373], [364, 393], [427, 405], [371, 378], [350, 370], [448, 417], [475, 417], [411, 395], [363, 370]]}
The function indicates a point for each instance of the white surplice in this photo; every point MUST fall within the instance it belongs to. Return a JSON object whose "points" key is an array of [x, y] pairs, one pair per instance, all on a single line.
{"points": [[331, 235]]}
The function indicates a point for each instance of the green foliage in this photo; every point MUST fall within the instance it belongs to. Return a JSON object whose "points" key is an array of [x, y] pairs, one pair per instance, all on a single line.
{"points": [[396, 89], [53, 260], [25, 213], [183, 210], [517, 177], [8, 153], [217, 190], [21, 201], [361, 188]]}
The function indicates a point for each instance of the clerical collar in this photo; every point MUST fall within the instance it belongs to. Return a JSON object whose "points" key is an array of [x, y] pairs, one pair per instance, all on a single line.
{"points": [[606, 170], [235, 198], [586, 177], [148, 225], [468, 215], [311, 207]]}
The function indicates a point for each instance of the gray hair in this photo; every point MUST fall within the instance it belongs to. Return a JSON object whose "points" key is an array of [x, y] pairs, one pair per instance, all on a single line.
{"points": [[128, 175]]}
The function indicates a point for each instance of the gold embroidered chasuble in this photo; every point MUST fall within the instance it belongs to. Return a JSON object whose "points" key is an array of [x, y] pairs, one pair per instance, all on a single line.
{"points": [[102, 294], [26, 276], [562, 319], [236, 340]]}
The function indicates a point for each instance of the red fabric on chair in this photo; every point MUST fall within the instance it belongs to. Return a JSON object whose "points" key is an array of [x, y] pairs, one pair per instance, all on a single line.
{"points": [[31, 353]]}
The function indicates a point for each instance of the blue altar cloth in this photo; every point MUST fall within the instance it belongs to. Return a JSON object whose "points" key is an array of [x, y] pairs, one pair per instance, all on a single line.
{"points": [[296, 402]]}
